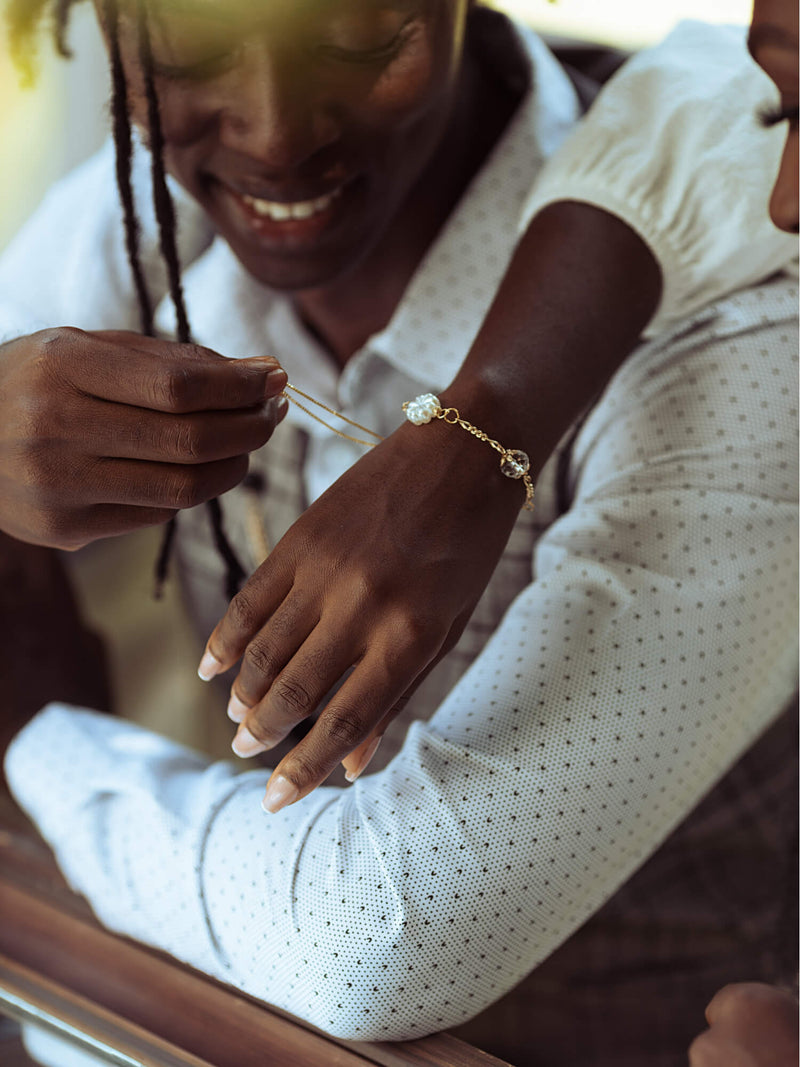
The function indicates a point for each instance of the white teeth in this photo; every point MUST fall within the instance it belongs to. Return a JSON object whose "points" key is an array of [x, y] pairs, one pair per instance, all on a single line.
{"points": [[280, 212]]}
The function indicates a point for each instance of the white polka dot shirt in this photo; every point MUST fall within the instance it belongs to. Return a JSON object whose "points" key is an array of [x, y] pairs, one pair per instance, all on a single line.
{"points": [[646, 638]]}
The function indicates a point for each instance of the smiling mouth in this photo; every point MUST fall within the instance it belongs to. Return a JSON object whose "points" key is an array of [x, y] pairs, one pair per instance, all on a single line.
{"points": [[282, 211], [287, 225]]}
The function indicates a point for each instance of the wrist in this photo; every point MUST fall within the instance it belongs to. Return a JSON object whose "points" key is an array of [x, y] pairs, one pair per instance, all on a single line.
{"points": [[466, 451]]}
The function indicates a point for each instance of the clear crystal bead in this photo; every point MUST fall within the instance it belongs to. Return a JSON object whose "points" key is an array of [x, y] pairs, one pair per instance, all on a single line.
{"points": [[515, 463]]}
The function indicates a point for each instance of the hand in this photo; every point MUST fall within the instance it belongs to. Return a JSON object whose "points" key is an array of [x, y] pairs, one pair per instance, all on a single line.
{"points": [[379, 577], [751, 1025], [101, 433]]}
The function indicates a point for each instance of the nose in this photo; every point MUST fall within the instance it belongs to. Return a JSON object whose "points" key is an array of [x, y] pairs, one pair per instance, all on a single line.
{"points": [[276, 114], [783, 205]]}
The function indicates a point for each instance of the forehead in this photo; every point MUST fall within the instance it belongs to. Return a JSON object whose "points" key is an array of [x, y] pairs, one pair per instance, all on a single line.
{"points": [[254, 10]]}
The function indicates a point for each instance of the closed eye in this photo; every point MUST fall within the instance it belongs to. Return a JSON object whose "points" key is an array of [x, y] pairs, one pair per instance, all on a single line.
{"points": [[201, 70], [383, 54]]}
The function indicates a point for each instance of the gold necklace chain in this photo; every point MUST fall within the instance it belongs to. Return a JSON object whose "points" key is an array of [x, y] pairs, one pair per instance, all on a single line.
{"points": [[255, 530], [331, 411]]}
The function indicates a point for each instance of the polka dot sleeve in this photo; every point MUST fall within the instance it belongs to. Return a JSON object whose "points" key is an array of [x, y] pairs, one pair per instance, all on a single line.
{"points": [[656, 641]]}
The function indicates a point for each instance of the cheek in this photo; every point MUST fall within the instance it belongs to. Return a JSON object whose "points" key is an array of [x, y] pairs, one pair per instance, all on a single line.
{"points": [[187, 114], [784, 200]]}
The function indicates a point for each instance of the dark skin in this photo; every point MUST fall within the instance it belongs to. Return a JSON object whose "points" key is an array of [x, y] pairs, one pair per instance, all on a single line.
{"points": [[750, 1025], [316, 607], [103, 433], [773, 43], [378, 106]]}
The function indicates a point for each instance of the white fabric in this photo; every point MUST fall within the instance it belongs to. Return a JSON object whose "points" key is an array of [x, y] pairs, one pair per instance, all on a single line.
{"points": [[693, 185], [651, 640], [656, 642]]}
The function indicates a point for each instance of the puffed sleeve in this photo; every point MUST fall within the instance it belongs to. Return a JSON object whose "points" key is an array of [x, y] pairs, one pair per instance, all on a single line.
{"points": [[673, 147], [68, 265], [655, 642]]}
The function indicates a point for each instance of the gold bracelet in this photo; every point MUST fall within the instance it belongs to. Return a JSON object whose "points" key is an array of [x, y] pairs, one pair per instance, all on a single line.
{"points": [[514, 463]]}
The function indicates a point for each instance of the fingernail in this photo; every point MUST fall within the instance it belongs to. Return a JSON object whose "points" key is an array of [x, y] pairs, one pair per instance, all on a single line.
{"points": [[371, 750], [236, 709], [244, 744], [280, 792], [209, 667], [281, 406], [276, 381], [260, 361]]}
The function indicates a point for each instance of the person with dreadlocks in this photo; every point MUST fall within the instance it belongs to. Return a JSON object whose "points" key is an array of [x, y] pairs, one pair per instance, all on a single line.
{"points": [[373, 160]]}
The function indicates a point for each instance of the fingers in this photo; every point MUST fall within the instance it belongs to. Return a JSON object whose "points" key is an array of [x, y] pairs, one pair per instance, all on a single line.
{"points": [[160, 375], [750, 1023], [123, 431], [360, 758], [172, 486], [247, 613], [739, 999], [347, 723], [292, 694], [73, 529]]}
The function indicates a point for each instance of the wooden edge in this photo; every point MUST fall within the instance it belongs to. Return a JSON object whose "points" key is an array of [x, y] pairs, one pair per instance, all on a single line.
{"points": [[48, 934], [30, 998], [177, 1005]]}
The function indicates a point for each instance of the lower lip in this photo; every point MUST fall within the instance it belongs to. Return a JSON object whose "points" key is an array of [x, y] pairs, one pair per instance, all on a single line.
{"points": [[286, 232]]}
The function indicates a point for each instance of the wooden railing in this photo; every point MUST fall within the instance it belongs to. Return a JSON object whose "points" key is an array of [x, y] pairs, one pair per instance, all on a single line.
{"points": [[63, 971]]}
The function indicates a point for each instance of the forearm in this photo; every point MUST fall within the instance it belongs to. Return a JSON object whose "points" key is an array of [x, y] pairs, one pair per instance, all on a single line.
{"points": [[578, 292]]}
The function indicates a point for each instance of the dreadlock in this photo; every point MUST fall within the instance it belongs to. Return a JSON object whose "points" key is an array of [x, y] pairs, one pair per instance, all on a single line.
{"points": [[24, 17]]}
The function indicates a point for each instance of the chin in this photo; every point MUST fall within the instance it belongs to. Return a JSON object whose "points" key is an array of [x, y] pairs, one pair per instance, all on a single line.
{"points": [[294, 272]]}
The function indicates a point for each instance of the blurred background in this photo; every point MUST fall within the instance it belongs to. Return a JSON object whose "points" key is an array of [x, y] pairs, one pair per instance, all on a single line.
{"points": [[49, 128]]}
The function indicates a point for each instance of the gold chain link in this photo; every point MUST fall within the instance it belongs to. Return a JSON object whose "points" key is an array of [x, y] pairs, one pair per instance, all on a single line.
{"points": [[331, 411], [452, 417]]}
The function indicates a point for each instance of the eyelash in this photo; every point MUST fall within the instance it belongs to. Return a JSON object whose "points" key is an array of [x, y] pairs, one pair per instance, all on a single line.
{"points": [[773, 116], [375, 55], [208, 68]]}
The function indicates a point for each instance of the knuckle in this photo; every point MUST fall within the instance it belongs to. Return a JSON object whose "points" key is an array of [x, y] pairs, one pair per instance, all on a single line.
{"points": [[421, 634], [197, 352], [261, 730], [55, 337], [292, 696], [172, 389], [259, 661], [188, 444], [343, 727], [301, 769], [242, 612], [55, 350], [183, 492]]}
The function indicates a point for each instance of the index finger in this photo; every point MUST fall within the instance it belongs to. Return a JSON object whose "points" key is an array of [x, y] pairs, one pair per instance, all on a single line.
{"points": [[166, 376]]}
